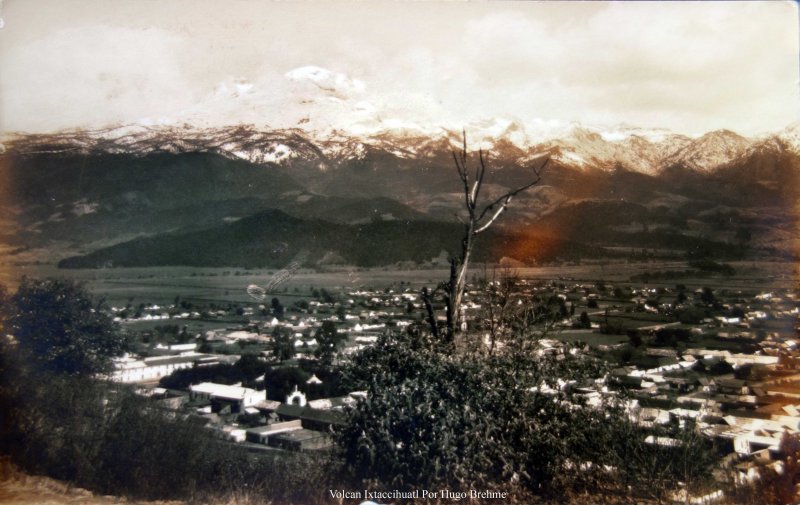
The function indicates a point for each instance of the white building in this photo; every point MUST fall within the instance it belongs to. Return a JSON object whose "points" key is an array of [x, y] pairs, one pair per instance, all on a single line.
{"points": [[129, 369], [239, 397]]}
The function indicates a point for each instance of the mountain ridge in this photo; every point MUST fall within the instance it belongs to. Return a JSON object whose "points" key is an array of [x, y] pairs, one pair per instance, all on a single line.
{"points": [[579, 147], [78, 191]]}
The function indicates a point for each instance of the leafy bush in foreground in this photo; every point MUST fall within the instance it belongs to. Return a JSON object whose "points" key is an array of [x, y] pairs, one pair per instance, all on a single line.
{"points": [[433, 418], [516, 421]]}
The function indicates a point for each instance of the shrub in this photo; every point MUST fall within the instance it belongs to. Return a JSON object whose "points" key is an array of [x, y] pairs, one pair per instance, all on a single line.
{"points": [[435, 418]]}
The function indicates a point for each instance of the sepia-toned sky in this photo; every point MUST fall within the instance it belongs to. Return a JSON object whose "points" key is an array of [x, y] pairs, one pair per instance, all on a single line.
{"points": [[687, 66]]}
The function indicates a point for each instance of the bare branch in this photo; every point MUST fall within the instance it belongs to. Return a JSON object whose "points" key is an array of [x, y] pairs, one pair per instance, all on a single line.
{"points": [[461, 172], [480, 171], [461, 159], [494, 216], [538, 171], [504, 199], [503, 203], [461, 167], [480, 165], [464, 146]]}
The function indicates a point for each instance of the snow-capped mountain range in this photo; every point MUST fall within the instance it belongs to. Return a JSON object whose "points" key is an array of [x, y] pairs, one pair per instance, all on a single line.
{"points": [[107, 190], [326, 118], [576, 146]]}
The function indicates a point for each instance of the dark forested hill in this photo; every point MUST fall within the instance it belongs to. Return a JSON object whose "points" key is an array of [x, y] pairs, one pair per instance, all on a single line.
{"points": [[376, 203]]}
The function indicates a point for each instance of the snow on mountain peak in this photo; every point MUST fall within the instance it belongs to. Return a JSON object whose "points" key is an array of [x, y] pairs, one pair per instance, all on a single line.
{"points": [[791, 137], [310, 72], [233, 88], [363, 127], [326, 79], [712, 150], [621, 132]]}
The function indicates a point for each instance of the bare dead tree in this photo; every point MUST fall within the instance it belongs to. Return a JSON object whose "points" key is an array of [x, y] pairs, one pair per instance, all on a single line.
{"points": [[480, 216]]}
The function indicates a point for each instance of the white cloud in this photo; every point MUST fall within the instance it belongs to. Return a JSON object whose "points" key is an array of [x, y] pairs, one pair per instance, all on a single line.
{"points": [[98, 74], [687, 66]]}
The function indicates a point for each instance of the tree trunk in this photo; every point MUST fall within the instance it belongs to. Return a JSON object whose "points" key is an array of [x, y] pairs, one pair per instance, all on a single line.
{"points": [[479, 219], [458, 282]]}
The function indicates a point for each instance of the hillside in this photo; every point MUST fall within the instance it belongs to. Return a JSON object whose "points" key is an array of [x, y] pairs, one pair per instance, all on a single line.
{"points": [[19, 488], [272, 238], [144, 195]]}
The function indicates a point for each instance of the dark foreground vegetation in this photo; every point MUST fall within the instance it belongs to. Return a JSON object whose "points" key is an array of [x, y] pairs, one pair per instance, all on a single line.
{"points": [[58, 419], [516, 421], [513, 419], [104, 438]]}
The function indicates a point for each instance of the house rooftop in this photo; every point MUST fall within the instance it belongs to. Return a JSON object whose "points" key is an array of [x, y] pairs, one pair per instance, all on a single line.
{"points": [[221, 390]]}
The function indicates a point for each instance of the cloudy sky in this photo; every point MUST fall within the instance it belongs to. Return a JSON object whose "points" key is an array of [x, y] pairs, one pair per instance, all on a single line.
{"points": [[687, 66]]}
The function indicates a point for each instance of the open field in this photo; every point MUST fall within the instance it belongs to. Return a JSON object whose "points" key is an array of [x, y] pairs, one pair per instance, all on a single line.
{"points": [[590, 337], [193, 326], [228, 285]]}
